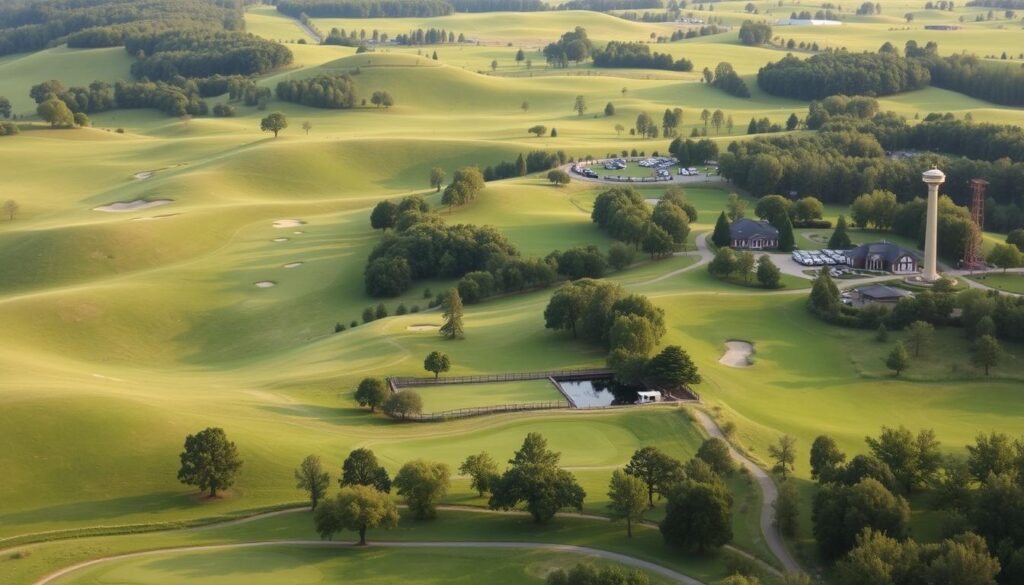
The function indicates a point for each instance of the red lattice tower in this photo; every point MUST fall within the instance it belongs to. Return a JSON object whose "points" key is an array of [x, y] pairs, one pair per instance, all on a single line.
{"points": [[972, 261]]}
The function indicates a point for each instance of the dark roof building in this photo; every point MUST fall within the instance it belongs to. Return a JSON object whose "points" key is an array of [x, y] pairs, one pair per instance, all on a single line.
{"points": [[754, 235], [883, 257], [880, 293]]}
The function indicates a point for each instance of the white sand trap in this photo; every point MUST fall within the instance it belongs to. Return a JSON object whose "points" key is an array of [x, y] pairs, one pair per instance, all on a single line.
{"points": [[280, 240], [298, 233], [125, 207], [294, 264], [143, 175], [737, 354], [265, 284], [422, 327], [288, 223]]}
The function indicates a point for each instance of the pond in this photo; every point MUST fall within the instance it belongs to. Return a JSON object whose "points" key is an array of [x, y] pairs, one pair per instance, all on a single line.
{"points": [[599, 392]]}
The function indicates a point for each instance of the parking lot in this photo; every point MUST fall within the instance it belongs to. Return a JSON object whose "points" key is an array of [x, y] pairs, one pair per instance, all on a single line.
{"points": [[640, 170]]}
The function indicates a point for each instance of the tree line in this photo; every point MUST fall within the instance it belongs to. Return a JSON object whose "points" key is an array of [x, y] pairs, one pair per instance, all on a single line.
{"points": [[534, 162], [431, 36], [839, 72], [169, 54], [322, 91], [969, 75], [364, 8], [99, 96], [36, 24], [860, 511], [609, 5], [639, 56]]}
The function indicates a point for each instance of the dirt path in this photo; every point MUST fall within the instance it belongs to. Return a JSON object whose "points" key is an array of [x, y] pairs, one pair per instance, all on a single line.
{"points": [[655, 568], [769, 491], [704, 256]]}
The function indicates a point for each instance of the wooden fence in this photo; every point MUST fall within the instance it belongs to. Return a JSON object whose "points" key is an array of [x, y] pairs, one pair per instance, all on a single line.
{"points": [[398, 383]]}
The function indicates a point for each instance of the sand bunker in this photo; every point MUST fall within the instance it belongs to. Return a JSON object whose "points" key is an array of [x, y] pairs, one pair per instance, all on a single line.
{"points": [[124, 207], [143, 175], [298, 233], [293, 264], [154, 217], [265, 284], [737, 354], [423, 327], [288, 223], [279, 240]]}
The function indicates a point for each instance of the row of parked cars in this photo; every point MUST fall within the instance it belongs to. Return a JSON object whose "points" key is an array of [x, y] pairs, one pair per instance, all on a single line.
{"points": [[821, 257]]}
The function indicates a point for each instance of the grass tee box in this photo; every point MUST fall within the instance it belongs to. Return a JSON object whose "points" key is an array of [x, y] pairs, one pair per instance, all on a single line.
{"points": [[444, 397]]}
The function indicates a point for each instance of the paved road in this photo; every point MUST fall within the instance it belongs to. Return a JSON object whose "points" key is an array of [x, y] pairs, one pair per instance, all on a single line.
{"points": [[657, 569], [769, 491]]}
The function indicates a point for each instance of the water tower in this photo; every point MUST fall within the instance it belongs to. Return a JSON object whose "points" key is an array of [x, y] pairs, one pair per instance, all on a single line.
{"points": [[933, 178]]}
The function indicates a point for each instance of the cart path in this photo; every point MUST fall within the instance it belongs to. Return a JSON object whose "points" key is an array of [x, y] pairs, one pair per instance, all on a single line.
{"points": [[565, 548], [769, 491]]}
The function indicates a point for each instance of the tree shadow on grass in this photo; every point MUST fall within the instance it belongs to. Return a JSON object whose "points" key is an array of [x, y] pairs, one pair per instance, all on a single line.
{"points": [[98, 510]]}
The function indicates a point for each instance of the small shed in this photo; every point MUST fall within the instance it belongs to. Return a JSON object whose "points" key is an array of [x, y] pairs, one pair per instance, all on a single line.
{"points": [[645, 396]]}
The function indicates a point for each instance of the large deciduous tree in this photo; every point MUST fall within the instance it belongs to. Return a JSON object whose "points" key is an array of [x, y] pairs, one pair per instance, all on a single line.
{"points": [[672, 368], [371, 392], [275, 122], [311, 478], [698, 517], [361, 468], [210, 461], [626, 499], [534, 477], [359, 508], [482, 471], [422, 483], [657, 470], [437, 362]]}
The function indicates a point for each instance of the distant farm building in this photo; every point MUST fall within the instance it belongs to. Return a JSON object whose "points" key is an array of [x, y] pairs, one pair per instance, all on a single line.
{"points": [[806, 22], [883, 257], [753, 235], [880, 293]]}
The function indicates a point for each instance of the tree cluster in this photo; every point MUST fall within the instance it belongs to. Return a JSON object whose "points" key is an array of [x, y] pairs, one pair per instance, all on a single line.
{"points": [[196, 53], [431, 36], [755, 33], [727, 80], [689, 152], [534, 162], [638, 56], [322, 91], [625, 215], [832, 73], [498, 5], [364, 8], [573, 46]]}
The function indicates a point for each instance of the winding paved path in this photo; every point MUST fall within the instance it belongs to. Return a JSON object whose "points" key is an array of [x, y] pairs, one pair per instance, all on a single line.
{"points": [[769, 491], [655, 568]]}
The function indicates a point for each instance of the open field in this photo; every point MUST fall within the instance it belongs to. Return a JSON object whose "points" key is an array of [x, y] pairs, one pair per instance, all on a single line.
{"points": [[124, 332]]}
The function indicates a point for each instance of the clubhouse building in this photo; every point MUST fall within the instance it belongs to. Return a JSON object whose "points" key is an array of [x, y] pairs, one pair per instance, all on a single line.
{"points": [[753, 235], [883, 257]]}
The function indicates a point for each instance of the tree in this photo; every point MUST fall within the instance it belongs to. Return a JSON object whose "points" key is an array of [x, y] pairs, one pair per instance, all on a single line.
{"points": [[384, 215], [386, 277], [609, 109], [792, 122], [371, 392], [784, 454], [768, 274], [655, 469], [826, 459], [539, 130], [715, 452], [705, 116], [558, 177], [82, 120], [723, 264], [535, 478], [656, 241], [993, 454], [673, 219], [919, 336], [717, 119], [626, 499], [307, 126], [580, 106], [437, 362], [898, 359], [840, 239], [437, 178], [619, 128], [56, 113], [422, 483], [672, 368], [482, 471], [721, 237], [913, 461], [403, 404], [772, 208], [357, 508], [824, 298], [275, 123], [11, 208], [1016, 237], [382, 99], [987, 353], [643, 122], [210, 461], [494, 65], [841, 512], [361, 468], [453, 313], [787, 242], [5, 108], [632, 333], [745, 264], [735, 208], [729, 124], [1005, 256], [787, 509], [311, 477], [525, 106], [620, 255], [520, 56], [698, 517]]}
